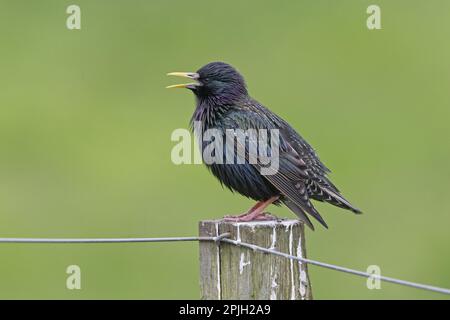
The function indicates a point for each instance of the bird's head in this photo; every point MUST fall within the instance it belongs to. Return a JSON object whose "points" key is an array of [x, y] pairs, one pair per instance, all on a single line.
{"points": [[216, 81]]}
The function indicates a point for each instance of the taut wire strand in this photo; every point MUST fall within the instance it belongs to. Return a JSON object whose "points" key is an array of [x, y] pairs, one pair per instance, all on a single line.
{"points": [[224, 238]]}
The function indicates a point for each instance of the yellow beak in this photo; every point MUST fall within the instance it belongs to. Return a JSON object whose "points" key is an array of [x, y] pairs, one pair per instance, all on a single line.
{"points": [[190, 75]]}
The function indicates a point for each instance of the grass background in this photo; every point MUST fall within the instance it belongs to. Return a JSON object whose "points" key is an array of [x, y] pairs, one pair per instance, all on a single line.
{"points": [[85, 125]]}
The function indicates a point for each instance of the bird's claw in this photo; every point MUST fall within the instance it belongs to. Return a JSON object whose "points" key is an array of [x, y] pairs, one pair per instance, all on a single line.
{"points": [[264, 216]]}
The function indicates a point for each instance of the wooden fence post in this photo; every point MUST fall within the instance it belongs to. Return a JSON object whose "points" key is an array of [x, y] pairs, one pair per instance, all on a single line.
{"points": [[228, 271]]}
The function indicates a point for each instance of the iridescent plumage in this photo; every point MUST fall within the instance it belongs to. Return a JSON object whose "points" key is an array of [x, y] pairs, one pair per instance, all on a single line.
{"points": [[222, 102]]}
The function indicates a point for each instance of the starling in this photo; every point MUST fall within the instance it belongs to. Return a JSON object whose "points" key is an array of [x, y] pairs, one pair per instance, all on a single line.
{"points": [[223, 103]]}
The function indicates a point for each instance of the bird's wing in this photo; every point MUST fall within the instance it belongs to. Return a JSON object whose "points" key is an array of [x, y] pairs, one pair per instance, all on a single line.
{"points": [[291, 177], [319, 187]]}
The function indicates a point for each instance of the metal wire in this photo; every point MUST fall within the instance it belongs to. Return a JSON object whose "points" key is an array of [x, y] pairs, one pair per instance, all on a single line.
{"points": [[338, 268], [224, 238], [109, 240]]}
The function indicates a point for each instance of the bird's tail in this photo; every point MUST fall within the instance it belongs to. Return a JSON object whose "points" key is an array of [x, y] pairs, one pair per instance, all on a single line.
{"points": [[335, 198], [300, 212]]}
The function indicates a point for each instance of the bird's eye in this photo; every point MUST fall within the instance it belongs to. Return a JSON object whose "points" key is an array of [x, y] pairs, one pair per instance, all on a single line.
{"points": [[206, 79]]}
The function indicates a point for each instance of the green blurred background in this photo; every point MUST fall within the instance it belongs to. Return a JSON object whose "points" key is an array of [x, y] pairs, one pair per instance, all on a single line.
{"points": [[85, 125]]}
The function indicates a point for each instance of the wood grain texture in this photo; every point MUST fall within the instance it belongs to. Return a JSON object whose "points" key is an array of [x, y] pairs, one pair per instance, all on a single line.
{"points": [[232, 272]]}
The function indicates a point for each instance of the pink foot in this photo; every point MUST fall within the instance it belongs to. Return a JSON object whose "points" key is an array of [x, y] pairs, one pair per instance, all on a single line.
{"points": [[255, 213], [236, 217], [251, 217]]}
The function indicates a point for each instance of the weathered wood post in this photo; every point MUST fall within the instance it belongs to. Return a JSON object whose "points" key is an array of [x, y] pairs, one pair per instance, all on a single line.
{"points": [[228, 271]]}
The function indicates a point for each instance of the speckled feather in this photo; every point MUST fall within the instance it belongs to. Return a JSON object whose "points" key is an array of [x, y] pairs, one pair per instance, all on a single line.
{"points": [[223, 103]]}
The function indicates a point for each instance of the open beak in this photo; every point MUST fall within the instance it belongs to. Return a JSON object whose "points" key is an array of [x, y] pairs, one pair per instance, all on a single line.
{"points": [[190, 75]]}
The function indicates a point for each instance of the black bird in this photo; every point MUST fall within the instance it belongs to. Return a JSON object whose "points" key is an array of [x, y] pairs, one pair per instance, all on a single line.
{"points": [[223, 102]]}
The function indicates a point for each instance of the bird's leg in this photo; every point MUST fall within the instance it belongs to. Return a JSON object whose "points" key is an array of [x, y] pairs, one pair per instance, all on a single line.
{"points": [[249, 211], [256, 213]]}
